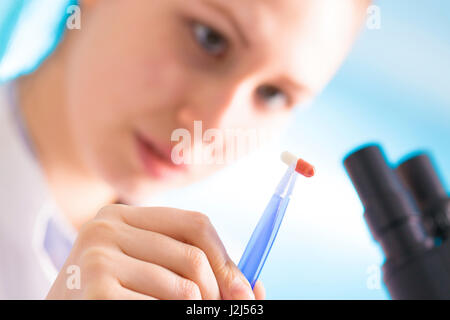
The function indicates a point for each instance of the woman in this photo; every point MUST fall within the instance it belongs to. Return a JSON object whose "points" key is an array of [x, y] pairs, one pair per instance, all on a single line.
{"points": [[92, 128]]}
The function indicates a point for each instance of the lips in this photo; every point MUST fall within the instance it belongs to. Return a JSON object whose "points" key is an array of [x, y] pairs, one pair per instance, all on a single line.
{"points": [[156, 158]]}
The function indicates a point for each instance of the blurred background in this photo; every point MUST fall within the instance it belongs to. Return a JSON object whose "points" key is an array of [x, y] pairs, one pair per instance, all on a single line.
{"points": [[394, 89]]}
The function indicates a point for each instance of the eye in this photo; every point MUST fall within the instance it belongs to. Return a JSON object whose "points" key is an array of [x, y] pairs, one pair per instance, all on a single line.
{"points": [[272, 97], [210, 40]]}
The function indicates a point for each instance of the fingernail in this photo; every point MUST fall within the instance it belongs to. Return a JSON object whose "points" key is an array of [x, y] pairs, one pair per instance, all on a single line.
{"points": [[241, 290]]}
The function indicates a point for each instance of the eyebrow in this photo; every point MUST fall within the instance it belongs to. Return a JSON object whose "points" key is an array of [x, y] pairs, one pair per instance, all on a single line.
{"points": [[231, 17]]}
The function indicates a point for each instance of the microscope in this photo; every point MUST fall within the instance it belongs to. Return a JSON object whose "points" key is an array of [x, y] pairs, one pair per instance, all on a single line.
{"points": [[408, 213]]}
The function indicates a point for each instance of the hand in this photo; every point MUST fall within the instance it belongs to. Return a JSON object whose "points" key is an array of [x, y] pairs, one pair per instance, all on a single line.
{"points": [[130, 252], [259, 291]]}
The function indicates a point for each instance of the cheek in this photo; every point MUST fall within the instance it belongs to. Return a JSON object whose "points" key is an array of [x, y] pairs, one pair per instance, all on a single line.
{"points": [[116, 85], [116, 71], [107, 105], [162, 82], [257, 131]]}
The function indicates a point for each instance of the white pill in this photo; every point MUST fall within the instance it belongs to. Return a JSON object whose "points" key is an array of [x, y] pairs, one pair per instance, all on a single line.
{"points": [[288, 158]]}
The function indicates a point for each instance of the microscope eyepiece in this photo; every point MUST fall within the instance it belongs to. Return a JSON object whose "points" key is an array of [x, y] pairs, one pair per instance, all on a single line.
{"points": [[408, 213], [420, 178], [390, 211]]}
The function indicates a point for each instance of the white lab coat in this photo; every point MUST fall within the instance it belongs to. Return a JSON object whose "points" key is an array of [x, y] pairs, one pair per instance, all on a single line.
{"points": [[26, 270]]}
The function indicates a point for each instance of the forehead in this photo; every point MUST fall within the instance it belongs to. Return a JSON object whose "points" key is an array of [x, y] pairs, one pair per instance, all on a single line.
{"points": [[306, 37], [271, 15]]}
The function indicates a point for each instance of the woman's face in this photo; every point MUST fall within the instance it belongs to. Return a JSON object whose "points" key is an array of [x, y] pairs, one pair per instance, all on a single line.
{"points": [[138, 70]]}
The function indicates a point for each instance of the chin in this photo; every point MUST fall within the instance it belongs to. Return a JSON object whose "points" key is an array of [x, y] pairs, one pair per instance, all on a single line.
{"points": [[140, 187], [136, 191]]}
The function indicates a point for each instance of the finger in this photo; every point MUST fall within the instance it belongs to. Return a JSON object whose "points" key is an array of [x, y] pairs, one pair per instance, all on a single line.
{"points": [[186, 260], [109, 288], [153, 280], [127, 294], [193, 228], [260, 292]]}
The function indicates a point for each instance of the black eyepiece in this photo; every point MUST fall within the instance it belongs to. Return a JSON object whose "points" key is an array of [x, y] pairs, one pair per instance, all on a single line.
{"points": [[420, 178], [390, 211]]}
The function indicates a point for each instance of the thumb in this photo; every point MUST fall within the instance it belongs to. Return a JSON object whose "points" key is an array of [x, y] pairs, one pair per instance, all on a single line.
{"points": [[259, 291]]}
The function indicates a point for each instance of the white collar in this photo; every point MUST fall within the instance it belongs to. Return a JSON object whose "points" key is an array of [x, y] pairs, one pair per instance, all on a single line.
{"points": [[24, 193]]}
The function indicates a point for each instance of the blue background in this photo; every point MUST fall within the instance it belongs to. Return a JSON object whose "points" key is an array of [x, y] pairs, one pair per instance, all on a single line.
{"points": [[393, 89]]}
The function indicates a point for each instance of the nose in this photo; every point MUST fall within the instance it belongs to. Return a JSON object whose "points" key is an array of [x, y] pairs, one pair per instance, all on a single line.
{"points": [[215, 104]]}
